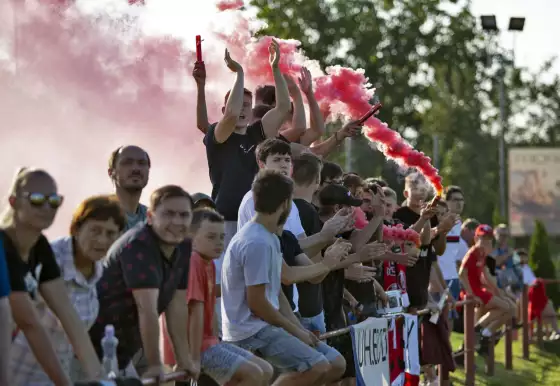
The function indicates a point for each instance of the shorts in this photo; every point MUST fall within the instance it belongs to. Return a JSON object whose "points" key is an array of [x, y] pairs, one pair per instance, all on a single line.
{"points": [[315, 324], [222, 360], [286, 352]]}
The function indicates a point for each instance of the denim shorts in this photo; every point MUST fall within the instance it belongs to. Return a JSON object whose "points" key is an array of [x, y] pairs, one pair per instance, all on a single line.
{"points": [[315, 324], [222, 360], [286, 352]]}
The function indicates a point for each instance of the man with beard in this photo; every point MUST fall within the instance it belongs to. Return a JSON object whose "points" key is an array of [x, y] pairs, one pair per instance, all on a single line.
{"points": [[145, 275], [255, 313], [129, 169]]}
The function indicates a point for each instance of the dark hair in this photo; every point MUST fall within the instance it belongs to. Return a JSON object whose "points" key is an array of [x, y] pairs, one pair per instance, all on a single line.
{"points": [[204, 214], [371, 181], [100, 208], [266, 94], [270, 190], [306, 169], [522, 251], [442, 203], [168, 191], [330, 171], [352, 181], [272, 146], [451, 190], [471, 224], [260, 111], [114, 157], [245, 92]]}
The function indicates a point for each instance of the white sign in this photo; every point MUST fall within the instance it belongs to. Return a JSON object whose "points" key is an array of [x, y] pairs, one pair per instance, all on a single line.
{"points": [[411, 352], [371, 352]]}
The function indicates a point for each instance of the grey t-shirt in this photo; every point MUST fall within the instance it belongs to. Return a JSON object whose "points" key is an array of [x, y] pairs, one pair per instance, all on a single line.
{"points": [[253, 257], [133, 219]]}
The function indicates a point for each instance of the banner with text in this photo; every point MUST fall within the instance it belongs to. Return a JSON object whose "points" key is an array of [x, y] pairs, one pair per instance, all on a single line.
{"points": [[371, 352]]}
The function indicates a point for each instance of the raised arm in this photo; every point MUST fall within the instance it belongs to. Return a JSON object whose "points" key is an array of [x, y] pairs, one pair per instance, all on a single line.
{"points": [[317, 123], [273, 119], [54, 293], [199, 75], [234, 104], [299, 123], [326, 147]]}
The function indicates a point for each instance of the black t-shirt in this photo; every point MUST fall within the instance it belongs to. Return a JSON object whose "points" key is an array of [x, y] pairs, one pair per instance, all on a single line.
{"points": [[418, 276], [310, 295], [232, 166], [41, 267], [290, 250], [135, 261], [333, 292]]}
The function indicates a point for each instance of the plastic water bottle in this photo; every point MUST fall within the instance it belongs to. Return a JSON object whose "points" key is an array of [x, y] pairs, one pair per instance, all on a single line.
{"points": [[109, 345]]}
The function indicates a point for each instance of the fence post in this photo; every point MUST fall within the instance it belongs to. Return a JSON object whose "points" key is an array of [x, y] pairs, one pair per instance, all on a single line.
{"points": [[526, 322], [469, 344], [540, 333], [508, 348]]}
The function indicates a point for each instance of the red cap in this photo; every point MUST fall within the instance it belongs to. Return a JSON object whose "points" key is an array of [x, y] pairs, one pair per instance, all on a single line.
{"points": [[484, 230]]}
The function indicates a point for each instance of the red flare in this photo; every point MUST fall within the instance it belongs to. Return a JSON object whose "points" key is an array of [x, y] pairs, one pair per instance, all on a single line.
{"points": [[349, 90]]}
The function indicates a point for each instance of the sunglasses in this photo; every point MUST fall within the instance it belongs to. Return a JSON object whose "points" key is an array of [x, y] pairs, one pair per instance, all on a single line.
{"points": [[39, 199]]}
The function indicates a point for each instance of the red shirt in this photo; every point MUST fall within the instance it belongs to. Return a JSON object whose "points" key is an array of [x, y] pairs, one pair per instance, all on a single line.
{"points": [[474, 263], [201, 288]]}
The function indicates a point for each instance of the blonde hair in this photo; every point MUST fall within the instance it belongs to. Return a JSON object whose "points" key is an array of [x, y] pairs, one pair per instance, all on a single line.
{"points": [[22, 175]]}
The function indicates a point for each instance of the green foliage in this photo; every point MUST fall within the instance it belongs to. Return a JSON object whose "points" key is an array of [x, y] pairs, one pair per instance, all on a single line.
{"points": [[540, 260], [436, 74]]}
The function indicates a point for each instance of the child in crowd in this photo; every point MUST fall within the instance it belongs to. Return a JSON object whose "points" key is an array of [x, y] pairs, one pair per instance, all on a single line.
{"points": [[476, 280], [222, 361]]}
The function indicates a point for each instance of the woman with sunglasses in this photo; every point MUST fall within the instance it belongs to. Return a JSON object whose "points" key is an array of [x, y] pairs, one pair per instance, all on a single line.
{"points": [[36, 282], [96, 224]]}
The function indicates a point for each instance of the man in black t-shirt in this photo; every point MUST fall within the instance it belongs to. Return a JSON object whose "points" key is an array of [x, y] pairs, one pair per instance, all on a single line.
{"points": [[421, 217], [146, 274], [230, 144]]}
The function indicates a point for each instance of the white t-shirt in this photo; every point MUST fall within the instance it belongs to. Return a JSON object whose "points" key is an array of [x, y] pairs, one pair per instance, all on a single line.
{"points": [[293, 224], [247, 212], [529, 277], [456, 248]]}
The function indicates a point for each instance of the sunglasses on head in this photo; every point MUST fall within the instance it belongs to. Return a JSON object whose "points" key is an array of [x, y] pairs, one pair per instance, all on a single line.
{"points": [[39, 199]]}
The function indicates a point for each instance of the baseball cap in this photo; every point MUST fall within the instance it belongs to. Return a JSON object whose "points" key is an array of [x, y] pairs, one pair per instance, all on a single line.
{"points": [[484, 230], [335, 194], [201, 197]]}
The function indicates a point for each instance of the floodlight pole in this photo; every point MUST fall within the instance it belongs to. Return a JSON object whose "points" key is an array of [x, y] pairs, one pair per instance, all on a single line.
{"points": [[515, 25]]}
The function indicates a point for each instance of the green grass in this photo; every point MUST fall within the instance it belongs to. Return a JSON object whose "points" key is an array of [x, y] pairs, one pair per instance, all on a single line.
{"points": [[542, 369]]}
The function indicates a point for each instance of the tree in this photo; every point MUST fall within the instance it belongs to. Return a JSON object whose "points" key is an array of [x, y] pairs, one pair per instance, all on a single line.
{"points": [[540, 260]]}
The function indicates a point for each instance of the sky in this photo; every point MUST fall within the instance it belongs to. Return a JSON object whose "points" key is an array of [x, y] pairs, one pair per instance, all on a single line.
{"points": [[536, 43]]}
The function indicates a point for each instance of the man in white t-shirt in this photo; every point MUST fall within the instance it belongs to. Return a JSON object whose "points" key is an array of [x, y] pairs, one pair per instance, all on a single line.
{"points": [[276, 154], [456, 247]]}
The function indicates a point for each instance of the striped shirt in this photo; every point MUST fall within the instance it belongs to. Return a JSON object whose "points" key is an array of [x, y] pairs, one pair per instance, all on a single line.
{"points": [[82, 292]]}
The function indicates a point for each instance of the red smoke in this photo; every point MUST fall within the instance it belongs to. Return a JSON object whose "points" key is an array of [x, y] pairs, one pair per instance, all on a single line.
{"points": [[344, 91], [224, 5]]}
